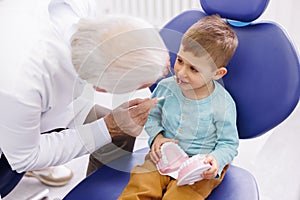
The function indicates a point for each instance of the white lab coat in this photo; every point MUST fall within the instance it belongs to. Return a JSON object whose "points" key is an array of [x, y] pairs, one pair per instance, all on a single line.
{"points": [[37, 93]]}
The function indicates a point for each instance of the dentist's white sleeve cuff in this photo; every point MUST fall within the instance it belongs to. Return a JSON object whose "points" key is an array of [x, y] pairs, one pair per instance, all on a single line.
{"points": [[94, 135], [104, 131]]}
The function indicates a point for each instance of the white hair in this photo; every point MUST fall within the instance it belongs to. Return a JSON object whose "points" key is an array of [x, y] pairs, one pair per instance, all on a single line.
{"points": [[118, 53]]}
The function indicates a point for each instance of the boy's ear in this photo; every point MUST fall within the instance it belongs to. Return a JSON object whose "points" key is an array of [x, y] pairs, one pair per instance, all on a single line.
{"points": [[220, 72]]}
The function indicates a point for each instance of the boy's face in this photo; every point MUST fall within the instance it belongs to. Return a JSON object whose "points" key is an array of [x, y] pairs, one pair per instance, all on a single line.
{"points": [[195, 75]]}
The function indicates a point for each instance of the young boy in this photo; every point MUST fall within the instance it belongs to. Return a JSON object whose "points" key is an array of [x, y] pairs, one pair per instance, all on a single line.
{"points": [[197, 113]]}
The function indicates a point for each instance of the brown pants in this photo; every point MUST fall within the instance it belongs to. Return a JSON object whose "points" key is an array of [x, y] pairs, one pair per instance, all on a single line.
{"points": [[120, 146], [146, 183]]}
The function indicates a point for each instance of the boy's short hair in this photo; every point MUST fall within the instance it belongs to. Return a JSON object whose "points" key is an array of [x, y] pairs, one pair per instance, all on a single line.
{"points": [[118, 53], [211, 35]]}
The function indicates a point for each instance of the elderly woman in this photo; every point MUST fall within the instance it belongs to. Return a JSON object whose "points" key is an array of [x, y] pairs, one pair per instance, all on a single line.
{"points": [[46, 93]]}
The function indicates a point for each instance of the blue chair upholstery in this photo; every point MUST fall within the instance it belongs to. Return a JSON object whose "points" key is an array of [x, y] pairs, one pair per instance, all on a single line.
{"points": [[263, 78], [108, 182], [244, 11]]}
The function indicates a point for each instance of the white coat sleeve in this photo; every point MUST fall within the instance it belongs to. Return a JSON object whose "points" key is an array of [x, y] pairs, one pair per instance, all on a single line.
{"points": [[24, 146]]}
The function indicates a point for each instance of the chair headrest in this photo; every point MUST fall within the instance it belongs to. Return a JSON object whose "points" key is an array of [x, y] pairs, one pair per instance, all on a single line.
{"points": [[239, 10]]}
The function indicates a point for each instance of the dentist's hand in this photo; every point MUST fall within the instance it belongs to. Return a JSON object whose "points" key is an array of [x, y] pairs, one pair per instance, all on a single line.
{"points": [[130, 117]]}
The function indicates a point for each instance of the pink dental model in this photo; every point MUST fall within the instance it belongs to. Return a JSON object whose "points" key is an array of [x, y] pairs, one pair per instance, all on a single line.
{"points": [[176, 163], [172, 158], [190, 171]]}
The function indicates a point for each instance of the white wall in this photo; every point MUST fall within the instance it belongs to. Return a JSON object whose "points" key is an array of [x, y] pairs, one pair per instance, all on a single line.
{"points": [[157, 12], [286, 13]]}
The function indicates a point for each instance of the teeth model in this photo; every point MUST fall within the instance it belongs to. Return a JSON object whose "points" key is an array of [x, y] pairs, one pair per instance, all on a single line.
{"points": [[177, 164], [190, 171], [172, 158]]}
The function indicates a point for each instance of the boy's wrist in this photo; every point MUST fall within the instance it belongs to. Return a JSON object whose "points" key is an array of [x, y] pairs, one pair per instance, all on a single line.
{"points": [[158, 136]]}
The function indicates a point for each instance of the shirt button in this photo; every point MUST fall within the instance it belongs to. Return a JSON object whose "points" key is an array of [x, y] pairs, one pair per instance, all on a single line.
{"points": [[183, 117], [180, 130], [187, 102]]}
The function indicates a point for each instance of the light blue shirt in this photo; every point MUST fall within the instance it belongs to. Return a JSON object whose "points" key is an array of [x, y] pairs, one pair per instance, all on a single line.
{"points": [[206, 126]]}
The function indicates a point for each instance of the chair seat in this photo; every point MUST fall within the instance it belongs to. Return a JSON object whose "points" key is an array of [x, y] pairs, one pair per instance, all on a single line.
{"points": [[109, 181], [238, 184]]}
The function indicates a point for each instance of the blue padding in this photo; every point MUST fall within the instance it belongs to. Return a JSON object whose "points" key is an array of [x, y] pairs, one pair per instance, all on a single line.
{"points": [[237, 184], [263, 78], [107, 183], [240, 10]]}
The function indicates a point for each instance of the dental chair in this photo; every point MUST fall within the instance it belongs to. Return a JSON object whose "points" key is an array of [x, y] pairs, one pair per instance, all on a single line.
{"points": [[263, 79]]}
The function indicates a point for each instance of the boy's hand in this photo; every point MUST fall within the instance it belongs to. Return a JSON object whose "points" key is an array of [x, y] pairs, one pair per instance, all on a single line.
{"points": [[159, 140], [213, 171]]}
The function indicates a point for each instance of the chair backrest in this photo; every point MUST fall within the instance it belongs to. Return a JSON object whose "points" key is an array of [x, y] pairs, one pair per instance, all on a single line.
{"points": [[263, 75]]}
